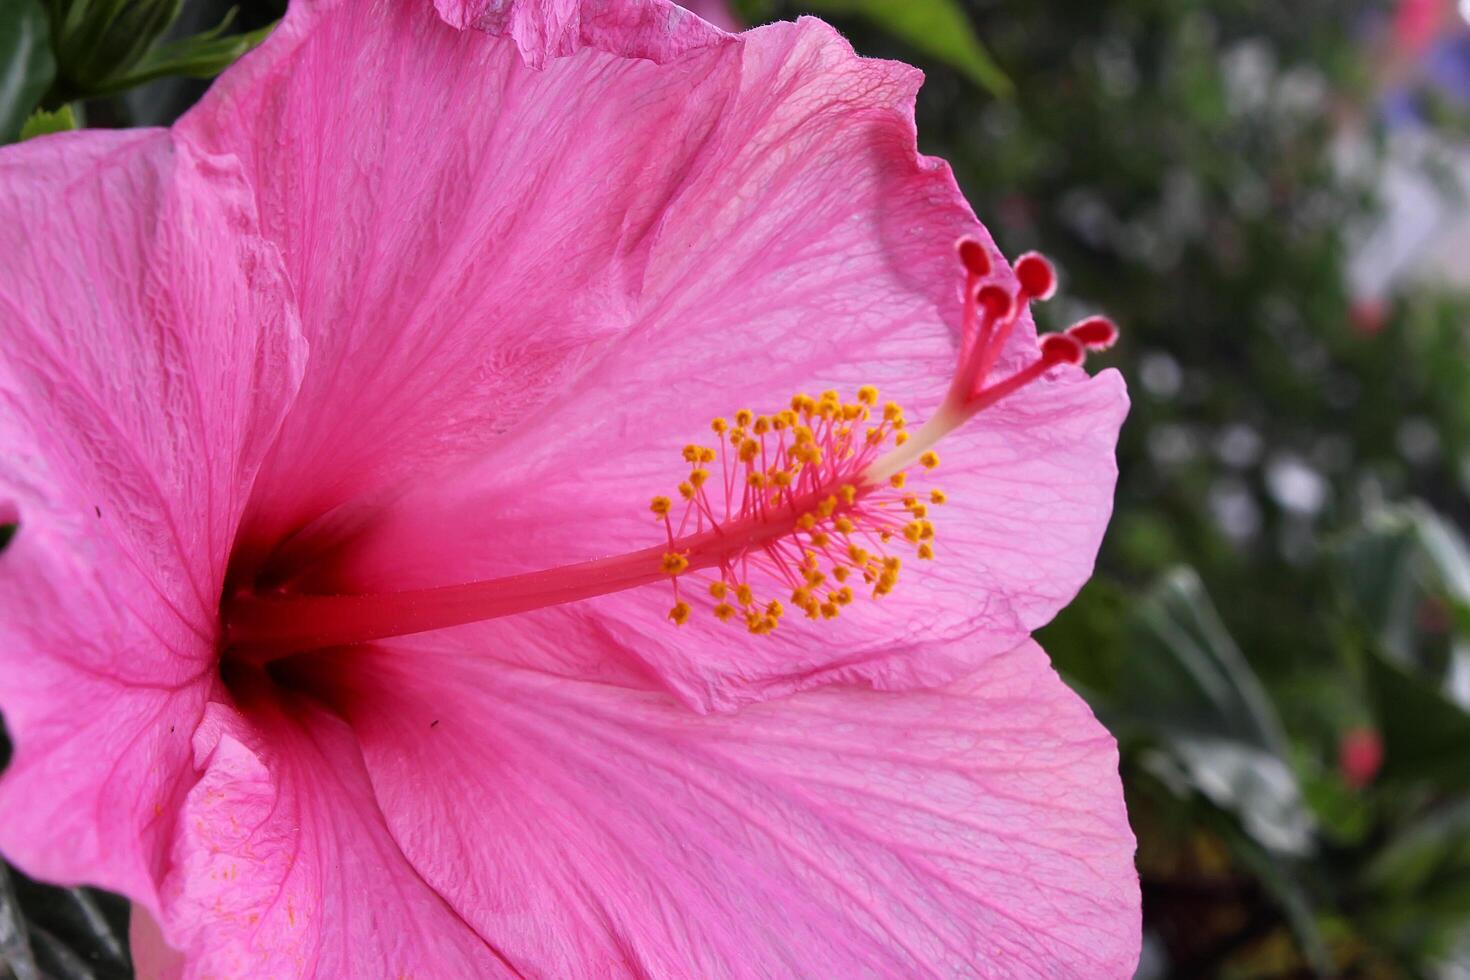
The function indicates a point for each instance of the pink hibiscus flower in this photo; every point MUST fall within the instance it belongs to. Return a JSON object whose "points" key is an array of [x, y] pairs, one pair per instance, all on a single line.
{"points": [[388, 345]]}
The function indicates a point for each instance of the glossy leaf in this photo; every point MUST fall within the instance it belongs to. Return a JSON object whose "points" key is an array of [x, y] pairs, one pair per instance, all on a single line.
{"points": [[27, 66]]}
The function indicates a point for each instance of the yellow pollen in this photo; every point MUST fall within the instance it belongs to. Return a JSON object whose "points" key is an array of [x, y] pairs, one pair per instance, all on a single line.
{"points": [[808, 482]]}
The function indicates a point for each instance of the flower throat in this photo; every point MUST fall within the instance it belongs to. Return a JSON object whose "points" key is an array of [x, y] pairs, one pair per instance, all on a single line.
{"points": [[814, 505]]}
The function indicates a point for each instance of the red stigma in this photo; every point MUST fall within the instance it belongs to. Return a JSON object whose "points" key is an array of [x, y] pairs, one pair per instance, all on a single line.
{"points": [[1037, 277], [991, 314], [1094, 333], [974, 257]]}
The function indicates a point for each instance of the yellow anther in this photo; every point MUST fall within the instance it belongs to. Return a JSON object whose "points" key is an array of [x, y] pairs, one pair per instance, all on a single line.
{"points": [[698, 477], [718, 589], [926, 550], [707, 455], [801, 596], [868, 395], [844, 525], [900, 438], [841, 572], [831, 397], [898, 479], [820, 539], [774, 609], [918, 510], [815, 578], [858, 555], [892, 412], [744, 417], [930, 459], [781, 478], [724, 611], [848, 493], [686, 490], [913, 531], [809, 560], [842, 596], [827, 507], [719, 426], [744, 595], [874, 437], [829, 610], [749, 450], [851, 412], [660, 505], [803, 435], [757, 480], [680, 613], [807, 521], [691, 453], [937, 497], [926, 530], [762, 425], [674, 563], [885, 536], [892, 563]]}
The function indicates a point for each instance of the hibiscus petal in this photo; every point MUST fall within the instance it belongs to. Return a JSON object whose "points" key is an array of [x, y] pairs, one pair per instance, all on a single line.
{"points": [[464, 233], [150, 351], [591, 829], [659, 30], [804, 245], [283, 866]]}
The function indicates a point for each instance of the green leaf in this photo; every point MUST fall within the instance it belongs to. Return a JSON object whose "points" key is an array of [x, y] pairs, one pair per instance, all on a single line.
{"points": [[43, 123], [1425, 734], [48, 931], [1185, 672], [98, 41], [27, 66], [1418, 886], [200, 56], [938, 28], [1187, 690]]}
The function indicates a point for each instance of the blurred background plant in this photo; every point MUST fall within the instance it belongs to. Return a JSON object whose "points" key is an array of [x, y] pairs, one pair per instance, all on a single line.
{"points": [[1271, 198]]}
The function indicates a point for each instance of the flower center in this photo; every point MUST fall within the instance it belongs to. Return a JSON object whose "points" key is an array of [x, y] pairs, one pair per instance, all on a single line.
{"points": [[810, 503]]}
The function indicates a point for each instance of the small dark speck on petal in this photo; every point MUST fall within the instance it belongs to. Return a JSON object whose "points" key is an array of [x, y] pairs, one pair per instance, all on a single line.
{"points": [[97, 509], [434, 723]]}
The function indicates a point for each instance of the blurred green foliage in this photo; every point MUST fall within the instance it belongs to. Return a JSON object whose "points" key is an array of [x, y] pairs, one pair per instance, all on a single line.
{"points": [[1284, 595]]}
